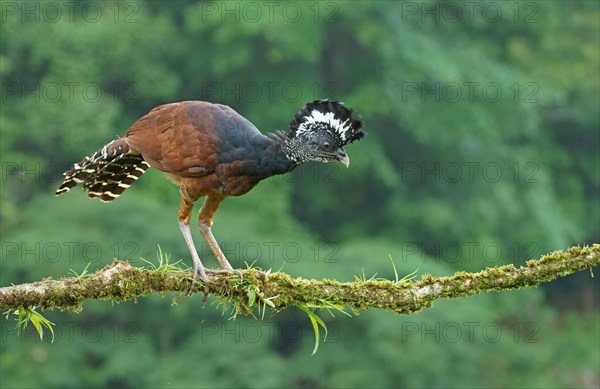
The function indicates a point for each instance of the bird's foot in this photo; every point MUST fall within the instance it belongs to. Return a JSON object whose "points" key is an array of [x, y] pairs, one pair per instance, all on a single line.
{"points": [[200, 275], [225, 272], [238, 273]]}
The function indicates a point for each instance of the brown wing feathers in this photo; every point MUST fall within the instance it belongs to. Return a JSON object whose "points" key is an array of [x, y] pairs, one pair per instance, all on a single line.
{"points": [[177, 138]]}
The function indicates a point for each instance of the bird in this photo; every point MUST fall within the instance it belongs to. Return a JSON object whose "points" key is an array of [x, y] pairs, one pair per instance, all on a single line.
{"points": [[209, 150]]}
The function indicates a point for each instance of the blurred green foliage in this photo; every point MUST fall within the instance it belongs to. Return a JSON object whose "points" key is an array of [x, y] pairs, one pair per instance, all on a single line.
{"points": [[483, 149]]}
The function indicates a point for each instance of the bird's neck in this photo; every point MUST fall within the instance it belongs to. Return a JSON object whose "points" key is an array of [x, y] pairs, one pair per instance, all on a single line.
{"points": [[279, 157]]}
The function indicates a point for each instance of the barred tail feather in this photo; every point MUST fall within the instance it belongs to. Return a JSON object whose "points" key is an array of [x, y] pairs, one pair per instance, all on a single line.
{"points": [[107, 173]]}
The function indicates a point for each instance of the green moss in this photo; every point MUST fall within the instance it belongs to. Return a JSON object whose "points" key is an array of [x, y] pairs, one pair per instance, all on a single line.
{"points": [[256, 289]]}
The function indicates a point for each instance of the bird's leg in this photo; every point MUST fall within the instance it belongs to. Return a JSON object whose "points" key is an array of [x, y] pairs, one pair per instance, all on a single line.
{"points": [[199, 270], [185, 210], [205, 216]]}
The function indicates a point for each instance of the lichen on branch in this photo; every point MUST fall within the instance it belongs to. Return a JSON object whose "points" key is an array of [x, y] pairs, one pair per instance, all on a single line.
{"points": [[122, 282]]}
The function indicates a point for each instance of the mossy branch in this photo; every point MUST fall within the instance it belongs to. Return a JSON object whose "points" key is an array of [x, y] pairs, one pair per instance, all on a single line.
{"points": [[121, 282]]}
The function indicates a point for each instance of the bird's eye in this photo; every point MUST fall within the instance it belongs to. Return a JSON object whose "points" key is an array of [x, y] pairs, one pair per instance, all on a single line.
{"points": [[326, 146]]}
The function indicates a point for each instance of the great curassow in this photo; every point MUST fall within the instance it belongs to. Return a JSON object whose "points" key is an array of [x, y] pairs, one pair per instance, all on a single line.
{"points": [[211, 150]]}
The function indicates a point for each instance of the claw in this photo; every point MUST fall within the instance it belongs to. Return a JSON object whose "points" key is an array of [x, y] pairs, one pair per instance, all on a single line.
{"points": [[200, 275], [225, 271], [239, 273]]}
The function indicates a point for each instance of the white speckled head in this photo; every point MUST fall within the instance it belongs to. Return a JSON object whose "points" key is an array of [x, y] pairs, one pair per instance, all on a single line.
{"points": [[320, 131]]}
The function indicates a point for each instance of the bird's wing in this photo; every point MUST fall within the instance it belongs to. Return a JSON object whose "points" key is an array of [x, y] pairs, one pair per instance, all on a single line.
{"points": [[188, 138]]}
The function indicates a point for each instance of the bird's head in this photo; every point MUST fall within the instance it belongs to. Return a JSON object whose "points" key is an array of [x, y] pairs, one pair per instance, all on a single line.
{"points": [[320, 131]]}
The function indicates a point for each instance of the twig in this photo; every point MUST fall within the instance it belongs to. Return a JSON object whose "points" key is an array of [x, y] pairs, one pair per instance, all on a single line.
{"points": [[121, 282]]}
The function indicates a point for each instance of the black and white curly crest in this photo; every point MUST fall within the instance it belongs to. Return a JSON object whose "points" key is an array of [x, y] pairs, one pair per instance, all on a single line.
{"points": [[328, 115]]}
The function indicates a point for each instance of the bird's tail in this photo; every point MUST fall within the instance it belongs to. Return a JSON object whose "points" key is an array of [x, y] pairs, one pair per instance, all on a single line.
{"points": [[107, 173]]}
